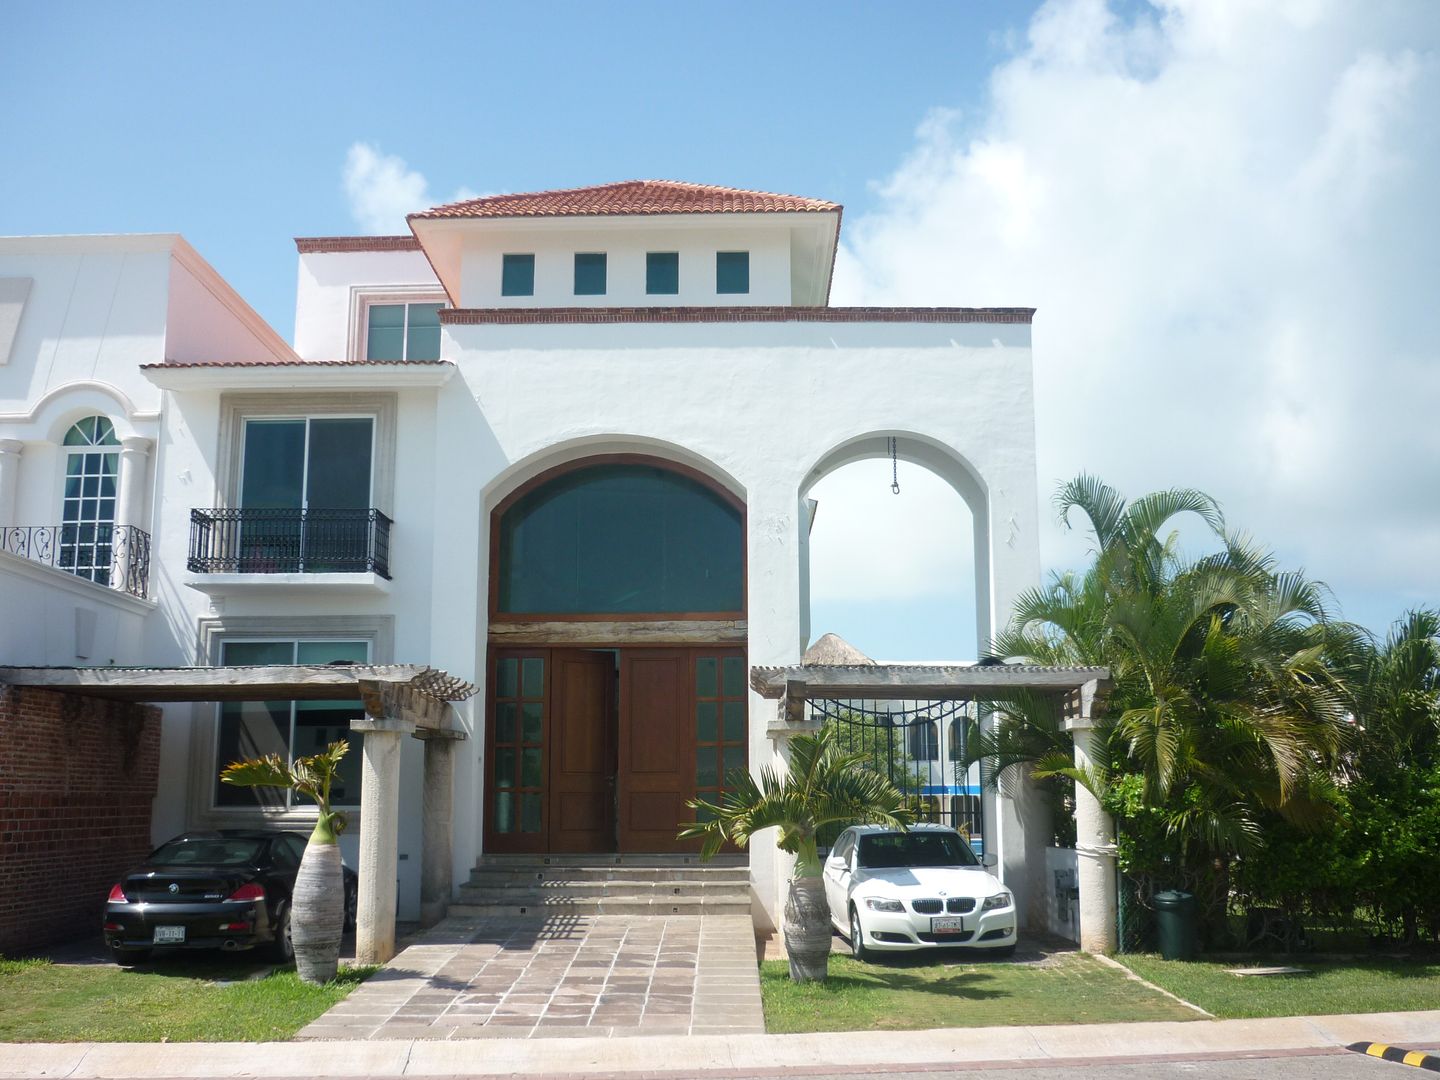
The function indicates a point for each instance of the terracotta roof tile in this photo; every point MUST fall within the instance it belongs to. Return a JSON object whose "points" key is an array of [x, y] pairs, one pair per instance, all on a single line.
{"points": [[325, 245], [630, 197]]}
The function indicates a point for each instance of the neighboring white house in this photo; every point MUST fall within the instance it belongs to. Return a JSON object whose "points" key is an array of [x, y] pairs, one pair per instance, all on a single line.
{"points": [[558, 445]]}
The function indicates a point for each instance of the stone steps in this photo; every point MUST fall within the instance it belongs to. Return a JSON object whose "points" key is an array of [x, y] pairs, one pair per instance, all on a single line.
{"points": [[513, 885]]}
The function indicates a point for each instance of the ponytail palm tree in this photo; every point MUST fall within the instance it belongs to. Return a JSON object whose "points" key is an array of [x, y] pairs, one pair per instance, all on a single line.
{"points": [[823, 786], [316, 915]]}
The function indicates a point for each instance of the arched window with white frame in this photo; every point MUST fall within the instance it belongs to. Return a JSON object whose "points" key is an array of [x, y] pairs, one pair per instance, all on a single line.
{"points": [[92, 477]]}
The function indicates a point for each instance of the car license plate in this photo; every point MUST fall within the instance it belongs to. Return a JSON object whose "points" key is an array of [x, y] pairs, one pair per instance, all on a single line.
{"points": [[947, 926], [169, 935]]}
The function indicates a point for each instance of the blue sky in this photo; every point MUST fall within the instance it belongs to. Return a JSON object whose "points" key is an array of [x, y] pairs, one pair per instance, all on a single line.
{"points": [[1224, 213]]}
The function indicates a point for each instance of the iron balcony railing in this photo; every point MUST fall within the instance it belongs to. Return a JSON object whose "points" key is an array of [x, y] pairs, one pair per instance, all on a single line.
{"points": [[245, 541], [115, 556]]}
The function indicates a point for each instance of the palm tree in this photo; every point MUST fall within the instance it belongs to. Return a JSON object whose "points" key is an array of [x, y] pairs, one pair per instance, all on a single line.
{"points": [[316, 916], [823, 785], [1224, 710]]}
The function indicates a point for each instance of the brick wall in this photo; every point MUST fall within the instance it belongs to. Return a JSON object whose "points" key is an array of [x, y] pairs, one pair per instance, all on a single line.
{"points": [[77, 777]]}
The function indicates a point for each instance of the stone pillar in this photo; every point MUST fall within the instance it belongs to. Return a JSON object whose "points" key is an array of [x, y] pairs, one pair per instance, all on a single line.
{"points": [[437, 856], [10, 451], [379, 836], [1095, 849]]}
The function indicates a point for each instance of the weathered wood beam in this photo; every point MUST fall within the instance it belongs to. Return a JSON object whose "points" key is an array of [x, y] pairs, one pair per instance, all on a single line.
{"points": [[913, 681], [621, 632]]}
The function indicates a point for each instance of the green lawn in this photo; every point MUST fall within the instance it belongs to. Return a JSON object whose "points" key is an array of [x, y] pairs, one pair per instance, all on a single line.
{"points": [[180, 1000], [1335, 987], [905, 993]]}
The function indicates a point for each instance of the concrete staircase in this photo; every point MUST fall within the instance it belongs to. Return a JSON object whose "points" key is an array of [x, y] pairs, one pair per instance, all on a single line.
{"points": [[511, 885]]}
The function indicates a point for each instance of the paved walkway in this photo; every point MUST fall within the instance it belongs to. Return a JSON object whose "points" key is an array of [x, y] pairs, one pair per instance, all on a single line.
{"points": [[560, 976]]}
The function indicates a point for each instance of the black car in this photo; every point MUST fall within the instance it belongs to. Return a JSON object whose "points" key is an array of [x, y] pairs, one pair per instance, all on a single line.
{"points": [[211, 890]]}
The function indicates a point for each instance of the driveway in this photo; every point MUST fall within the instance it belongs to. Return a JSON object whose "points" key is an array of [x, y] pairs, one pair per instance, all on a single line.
{"points": [[564, 975]]}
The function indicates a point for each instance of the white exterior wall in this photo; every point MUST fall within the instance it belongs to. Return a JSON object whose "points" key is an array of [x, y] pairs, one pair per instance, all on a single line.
{"points": [[625, 247], [332, 287]]}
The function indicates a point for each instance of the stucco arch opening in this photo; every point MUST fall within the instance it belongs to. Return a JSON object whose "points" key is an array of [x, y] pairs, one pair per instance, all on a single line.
{"points": [[950, 467]]}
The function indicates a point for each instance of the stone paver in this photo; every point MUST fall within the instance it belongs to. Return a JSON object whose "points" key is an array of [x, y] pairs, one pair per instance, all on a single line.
{"points": [[560, 976]]}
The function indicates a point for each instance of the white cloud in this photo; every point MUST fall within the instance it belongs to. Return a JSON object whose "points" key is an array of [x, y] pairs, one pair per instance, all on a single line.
{"points": [[381, 189], [1225, 213]]}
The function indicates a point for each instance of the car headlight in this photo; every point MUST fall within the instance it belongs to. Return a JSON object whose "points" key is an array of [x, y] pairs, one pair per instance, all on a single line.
{"points": [[999, 900], [875, 903]]}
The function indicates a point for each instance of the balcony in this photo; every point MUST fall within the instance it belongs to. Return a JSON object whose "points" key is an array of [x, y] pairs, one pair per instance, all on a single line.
{"points": [[313, 543], [112, 556]]}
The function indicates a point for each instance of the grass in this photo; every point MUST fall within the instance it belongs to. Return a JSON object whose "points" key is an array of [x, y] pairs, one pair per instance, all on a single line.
{"points": [[909, 993], [1355, 986], [181, 1000]]}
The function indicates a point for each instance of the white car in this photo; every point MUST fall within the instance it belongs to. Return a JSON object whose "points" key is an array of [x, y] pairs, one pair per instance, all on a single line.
{"points": [[894, 891]]}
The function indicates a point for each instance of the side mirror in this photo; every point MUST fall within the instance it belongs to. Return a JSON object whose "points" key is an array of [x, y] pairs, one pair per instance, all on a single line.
{"points": [[990, 860]]}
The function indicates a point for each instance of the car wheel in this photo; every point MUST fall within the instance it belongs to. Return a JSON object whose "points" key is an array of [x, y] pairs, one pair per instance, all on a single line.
{"points": [[282, 949], [857, 937]]}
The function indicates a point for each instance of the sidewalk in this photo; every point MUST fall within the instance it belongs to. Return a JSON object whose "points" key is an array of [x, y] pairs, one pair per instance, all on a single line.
{"points": [[728, 1055]]}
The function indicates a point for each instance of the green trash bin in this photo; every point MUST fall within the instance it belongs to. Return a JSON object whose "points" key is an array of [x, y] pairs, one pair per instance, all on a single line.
{"points": [[1175, 918]]}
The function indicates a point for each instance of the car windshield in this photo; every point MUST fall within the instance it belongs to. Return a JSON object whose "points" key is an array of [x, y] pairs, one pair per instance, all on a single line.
{"points": [[893, 851], [210, 851]]}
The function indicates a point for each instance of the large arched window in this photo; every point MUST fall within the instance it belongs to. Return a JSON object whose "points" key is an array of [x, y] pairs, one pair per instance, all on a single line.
{"points": [[621, 539], [92, 470]]}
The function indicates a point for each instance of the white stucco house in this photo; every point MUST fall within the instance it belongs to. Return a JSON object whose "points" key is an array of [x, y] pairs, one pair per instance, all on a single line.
{"points": [[556, 445]]}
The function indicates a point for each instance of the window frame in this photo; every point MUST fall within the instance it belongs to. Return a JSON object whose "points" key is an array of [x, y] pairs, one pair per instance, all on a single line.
{"points": [[235, 409], [405, 306], [604, 257], [548, 475], [109, 454], [732, 292], [504, 260], [673, 255], [363, 297], [307, 420], [377, 630]]}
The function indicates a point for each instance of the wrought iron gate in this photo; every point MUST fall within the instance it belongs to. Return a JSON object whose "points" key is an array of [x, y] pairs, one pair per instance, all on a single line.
{"points": [[919, 745]]}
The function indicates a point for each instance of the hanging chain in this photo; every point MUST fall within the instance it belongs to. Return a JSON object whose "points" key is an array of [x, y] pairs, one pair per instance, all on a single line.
{"points": [[894, 468]]}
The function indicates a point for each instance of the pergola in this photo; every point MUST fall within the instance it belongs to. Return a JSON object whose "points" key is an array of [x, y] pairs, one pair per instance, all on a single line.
{"points": [[398, 700], [1076, 690]]}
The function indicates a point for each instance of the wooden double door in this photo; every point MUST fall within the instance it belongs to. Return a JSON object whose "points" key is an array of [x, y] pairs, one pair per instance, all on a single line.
{"points": [[599, 750]]}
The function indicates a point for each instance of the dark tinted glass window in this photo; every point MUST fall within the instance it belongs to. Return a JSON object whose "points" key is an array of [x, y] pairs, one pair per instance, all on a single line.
{"points": [[517, 275], [422, 332], [618, 539], [890, 851], [217, 851], [590, 274], [283, 855], [662, 273], [732, 271]]}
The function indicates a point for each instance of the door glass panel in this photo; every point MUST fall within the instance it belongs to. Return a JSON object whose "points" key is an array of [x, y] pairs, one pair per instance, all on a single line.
{"points": [[504, 812], [506, 680], [734, 721], [705, 676], [734, 759], [533, 677], [505, 722], [705, 724], [530, 768], [706, 775], [530, 817], [505, 767], [734, 668], [532, 721]]}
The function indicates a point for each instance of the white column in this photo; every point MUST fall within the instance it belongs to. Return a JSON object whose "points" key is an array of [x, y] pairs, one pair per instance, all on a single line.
{"points": [[1095, 848], [134, 471], [437, 825], [379, 836], [10, 451]]}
